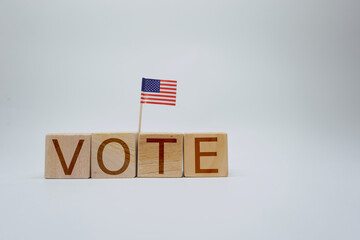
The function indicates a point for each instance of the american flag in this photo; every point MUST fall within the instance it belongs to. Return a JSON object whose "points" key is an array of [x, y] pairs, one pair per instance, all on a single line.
{"points": [[155, 91]]}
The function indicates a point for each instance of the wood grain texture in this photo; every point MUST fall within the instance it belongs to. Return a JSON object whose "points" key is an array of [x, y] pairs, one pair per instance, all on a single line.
{"points": [[67, 155], [205, 155], [113, 155], [160, 155]]}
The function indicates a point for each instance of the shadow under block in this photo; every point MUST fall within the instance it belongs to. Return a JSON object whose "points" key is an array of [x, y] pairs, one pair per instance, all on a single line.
{"points": [[113, 155], [160, 155], [67, 156], [205, 155]]}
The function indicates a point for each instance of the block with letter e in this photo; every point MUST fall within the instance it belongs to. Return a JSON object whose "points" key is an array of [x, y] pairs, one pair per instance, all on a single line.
{"points": [[113, 155], [205, 155], [67, 155], [160, 155]]}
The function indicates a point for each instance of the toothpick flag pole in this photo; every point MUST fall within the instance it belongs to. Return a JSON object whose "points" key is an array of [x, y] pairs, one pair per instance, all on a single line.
{"points": [[140, 116]]}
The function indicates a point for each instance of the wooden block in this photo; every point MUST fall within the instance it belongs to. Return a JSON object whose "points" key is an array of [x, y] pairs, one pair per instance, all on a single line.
{"points": [[67, 156], [205, 155], [113, 155], [160, 155]]}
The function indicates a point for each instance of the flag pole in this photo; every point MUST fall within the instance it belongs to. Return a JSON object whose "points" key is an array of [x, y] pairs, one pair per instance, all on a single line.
{"points": [[138, 137], [140, 116]]}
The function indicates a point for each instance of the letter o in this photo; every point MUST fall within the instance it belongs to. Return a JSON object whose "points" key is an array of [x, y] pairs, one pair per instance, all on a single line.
{"points": [[100, 156]]}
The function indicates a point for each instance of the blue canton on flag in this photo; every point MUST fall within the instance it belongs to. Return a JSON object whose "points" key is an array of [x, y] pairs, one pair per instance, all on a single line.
{"points": [[150, 85]]}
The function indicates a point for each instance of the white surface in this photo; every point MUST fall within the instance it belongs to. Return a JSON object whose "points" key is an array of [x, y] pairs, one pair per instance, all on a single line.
{"points": [[281, 77]]}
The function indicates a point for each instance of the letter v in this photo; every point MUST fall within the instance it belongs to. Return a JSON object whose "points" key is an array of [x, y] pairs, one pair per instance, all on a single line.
{"points": [[68, 170]]}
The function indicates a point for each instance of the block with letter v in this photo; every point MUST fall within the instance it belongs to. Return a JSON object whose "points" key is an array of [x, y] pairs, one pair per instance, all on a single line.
{"points": [[67, 155]]}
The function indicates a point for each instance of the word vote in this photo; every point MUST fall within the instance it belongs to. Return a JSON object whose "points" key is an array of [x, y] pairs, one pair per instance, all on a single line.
{"points": [[123, 155]]}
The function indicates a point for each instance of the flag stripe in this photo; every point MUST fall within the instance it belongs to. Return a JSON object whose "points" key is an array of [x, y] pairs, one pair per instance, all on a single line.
{"points": [[159, 99], [168, 92], [171, 81], [171, 85], [157, 95], [172, 104], [168, 88]]}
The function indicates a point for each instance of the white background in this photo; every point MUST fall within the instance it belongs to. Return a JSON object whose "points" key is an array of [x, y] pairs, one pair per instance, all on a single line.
{"points": [[281, 78]]}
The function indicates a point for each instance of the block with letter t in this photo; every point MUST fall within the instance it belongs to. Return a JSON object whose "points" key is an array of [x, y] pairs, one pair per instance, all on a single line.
{"points": [[205, 155], [160, 155], [67, 155]]}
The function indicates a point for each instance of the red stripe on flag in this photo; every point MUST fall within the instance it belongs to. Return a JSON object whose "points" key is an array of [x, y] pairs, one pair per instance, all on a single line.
{"points": [[166, 88], [171, 85], [157, 95], [167, 92], [172, 104], [171, 81], [160, 99]]}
